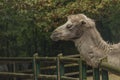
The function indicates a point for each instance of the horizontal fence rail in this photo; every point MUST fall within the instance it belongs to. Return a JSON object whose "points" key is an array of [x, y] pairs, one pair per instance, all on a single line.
{"points": [[41, 76], [61, 63]]}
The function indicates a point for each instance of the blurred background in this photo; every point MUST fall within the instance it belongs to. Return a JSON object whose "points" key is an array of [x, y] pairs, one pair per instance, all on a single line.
{"points": [[26, 25]]}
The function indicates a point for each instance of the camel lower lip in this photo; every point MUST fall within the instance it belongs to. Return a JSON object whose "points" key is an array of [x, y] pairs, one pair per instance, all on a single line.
{"points": [[55, 39]]}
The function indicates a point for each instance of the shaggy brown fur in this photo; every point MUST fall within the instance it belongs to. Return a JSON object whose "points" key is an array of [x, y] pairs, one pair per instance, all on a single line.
{"points": [[82, 31]]}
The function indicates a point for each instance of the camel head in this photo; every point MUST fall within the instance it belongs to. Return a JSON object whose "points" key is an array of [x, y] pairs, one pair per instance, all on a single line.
{"points": [[74, 28]]}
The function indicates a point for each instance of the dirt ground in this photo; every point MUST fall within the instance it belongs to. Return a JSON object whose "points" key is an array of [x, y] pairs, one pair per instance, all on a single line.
{"points": [[111, 77]]}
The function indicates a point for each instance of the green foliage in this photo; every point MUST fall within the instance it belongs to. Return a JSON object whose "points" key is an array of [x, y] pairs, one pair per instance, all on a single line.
{"points": [[25, 25]]}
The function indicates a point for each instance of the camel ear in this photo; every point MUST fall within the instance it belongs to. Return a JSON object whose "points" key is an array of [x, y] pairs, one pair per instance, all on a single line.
{"points": [[82, 22], [89, 23]]}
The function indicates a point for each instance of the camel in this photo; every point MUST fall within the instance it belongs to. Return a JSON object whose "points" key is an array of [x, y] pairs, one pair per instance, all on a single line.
{"points": [[92, 48]]}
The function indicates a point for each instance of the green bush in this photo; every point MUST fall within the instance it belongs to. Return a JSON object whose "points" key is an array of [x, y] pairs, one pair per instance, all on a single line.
{"points": [[25, 25]]}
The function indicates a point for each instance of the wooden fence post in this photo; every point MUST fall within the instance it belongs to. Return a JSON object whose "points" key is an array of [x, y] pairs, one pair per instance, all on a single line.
{"points": [[60, 68], [36, 66], [82, 70], [96, 74], [105, 75], [14, 69]]}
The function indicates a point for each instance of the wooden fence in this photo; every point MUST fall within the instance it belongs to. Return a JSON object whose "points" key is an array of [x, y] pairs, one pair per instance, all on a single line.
{"points": [[61, 62]]}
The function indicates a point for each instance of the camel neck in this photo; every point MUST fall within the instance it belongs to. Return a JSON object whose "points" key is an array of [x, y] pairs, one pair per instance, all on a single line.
{"points": [[91, 38]]}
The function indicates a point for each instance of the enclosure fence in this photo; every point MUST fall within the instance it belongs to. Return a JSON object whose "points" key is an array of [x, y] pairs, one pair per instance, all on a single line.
{"points": [[61, 62]]}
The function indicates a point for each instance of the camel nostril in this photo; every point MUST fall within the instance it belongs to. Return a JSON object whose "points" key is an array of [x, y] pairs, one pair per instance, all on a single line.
{"points": [[55, 35]]}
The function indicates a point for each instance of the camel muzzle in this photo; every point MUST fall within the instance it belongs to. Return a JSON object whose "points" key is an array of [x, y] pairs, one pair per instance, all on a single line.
{"points": [[55, 36]]}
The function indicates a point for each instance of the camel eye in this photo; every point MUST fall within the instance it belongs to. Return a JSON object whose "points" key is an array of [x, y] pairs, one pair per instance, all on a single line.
{"points": [[69, 26]]}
